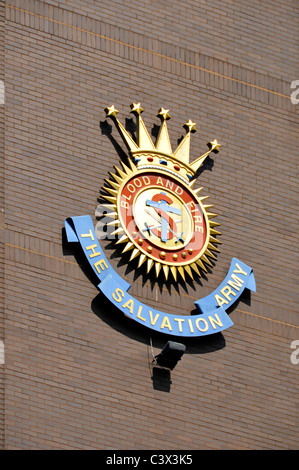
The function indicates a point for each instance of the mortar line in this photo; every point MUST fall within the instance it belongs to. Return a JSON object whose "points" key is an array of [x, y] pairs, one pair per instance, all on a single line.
{"points": [[157, 54]]}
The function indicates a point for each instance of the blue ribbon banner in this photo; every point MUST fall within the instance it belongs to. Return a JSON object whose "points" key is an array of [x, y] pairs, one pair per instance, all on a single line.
{"points": [[212, 317]]}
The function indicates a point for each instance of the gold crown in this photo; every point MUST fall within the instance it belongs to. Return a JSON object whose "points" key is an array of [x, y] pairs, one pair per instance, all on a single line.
{"points": [[146, 154]]}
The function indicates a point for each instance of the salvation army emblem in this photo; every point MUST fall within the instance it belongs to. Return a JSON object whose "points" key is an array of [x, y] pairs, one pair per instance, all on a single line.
{"points": [[164, 224]]}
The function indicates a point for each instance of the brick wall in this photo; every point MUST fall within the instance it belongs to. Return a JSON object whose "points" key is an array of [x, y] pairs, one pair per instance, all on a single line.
{"points": [[77, 377], [2, 247]]}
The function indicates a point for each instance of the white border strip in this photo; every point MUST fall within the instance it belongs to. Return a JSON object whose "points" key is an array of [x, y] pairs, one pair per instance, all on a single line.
{"points": [[2, 92], [1, 352]]}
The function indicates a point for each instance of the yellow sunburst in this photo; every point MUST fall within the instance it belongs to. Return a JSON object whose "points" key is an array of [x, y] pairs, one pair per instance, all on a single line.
{"points": [[113, 187]]}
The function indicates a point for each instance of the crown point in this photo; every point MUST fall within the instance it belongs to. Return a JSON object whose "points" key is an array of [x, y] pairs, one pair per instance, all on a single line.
{"points": [[111, 111], [214, 146], [136, 108], [164, 114], [191, 126]]}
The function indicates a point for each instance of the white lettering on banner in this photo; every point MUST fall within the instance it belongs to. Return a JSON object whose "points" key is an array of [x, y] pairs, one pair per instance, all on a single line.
{"points": [[235, 282], [162, 320]]}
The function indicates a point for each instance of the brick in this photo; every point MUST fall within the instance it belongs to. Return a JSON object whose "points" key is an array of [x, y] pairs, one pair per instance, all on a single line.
{"points": [[75, 376]]}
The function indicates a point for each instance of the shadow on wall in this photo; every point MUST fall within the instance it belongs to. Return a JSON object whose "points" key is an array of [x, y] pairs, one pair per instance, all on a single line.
{"points": [[161, 376], [108, 313]]}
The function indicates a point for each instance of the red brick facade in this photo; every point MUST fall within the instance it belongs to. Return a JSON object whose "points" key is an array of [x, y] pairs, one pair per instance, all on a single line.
{"points": [[74, 377]]}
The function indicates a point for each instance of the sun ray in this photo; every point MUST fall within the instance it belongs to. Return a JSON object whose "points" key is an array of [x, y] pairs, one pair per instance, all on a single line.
{"points": [[166, 270], [206, 260], [201, 199], [141, 260], [118, 231], [115, 177], [212, 247], [111, 207], [213, 224], [131, 164], [113, 184], [201, 265], [210, 254], [214, 232], [215, 240], [111, 215], [114, 223], [135, 253], [181, 272], [195, 269], [126, 169], [109, 198], [157, 268], [120, 173], [123, 239], [173, 270], [189, 271], [196, 191], [111, 191], [150, 263], [129, 246]]}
